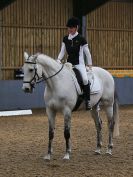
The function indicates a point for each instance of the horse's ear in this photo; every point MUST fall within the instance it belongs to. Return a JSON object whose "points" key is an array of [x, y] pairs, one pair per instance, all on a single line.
{"points": [[26, 55]]}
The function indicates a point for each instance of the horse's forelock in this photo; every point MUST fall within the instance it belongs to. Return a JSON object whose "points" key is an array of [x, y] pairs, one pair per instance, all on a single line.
{"points": [[32, 58]]}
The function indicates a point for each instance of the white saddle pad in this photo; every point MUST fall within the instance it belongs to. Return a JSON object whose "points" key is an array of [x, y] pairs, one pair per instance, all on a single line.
{"points": [[94, 81], [95, 86]]}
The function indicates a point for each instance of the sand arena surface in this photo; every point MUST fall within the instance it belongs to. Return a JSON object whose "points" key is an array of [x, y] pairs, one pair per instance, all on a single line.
{"points": [[23, 143]]}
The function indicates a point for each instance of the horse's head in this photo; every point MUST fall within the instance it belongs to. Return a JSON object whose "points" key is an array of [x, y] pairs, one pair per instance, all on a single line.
{"points": [[30, 72]]}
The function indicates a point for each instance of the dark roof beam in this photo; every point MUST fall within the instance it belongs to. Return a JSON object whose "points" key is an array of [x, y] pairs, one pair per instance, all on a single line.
{"points": [[4, 3]]}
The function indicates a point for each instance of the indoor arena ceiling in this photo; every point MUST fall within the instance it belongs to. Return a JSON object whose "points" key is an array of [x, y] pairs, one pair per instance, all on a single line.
{"points": [[80, 7]]}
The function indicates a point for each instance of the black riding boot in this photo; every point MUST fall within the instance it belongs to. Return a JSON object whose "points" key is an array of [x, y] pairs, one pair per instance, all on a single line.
{"points": [[86, 90]]}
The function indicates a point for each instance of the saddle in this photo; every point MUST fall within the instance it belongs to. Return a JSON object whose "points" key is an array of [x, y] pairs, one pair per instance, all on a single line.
{"points": [[92, 79], [78, 82]]}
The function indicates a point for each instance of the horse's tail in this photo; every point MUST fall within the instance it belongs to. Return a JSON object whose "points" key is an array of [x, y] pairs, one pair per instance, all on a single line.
{"points": [[116, 115]]}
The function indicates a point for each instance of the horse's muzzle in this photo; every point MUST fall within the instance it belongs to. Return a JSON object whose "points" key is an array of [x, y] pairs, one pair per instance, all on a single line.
{"points": [[27, 89]]}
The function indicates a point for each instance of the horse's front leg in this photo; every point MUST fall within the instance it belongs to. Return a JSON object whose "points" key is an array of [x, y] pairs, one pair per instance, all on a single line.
{"points": [[98, 124], [51, 119], [67, 127]]}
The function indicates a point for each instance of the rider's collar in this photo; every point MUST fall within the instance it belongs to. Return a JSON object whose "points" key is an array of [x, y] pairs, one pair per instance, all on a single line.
{"points": [[70, 36]]}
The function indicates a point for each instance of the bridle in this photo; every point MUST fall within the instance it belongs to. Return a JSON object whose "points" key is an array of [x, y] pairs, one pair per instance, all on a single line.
{"points": [[36, 78]]}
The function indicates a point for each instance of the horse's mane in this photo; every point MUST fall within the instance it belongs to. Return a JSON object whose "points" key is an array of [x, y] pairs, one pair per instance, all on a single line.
{"points": [[47, 60], [45, 57]]}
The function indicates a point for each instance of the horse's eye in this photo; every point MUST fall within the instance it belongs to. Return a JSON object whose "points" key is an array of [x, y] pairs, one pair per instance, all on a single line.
{"points": [[31, 70]]}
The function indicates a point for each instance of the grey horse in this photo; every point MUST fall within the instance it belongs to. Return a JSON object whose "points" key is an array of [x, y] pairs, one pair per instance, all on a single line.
{"points": [[61, 95]]}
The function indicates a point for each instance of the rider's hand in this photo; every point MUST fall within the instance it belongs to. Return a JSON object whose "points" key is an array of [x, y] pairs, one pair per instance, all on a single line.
{"points": [[58, 60], [89, 67]]}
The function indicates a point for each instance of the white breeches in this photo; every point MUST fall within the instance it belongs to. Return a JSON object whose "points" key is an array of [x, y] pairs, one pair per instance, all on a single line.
{"points": [[82, 70]]}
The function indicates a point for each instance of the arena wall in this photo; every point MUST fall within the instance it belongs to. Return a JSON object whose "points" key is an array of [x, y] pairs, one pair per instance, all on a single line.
{"points": [[32, 26], [12, 97]]}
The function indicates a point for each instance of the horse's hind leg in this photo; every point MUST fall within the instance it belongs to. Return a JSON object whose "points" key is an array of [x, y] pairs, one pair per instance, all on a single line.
{"points": [[109, 112], [67, 127], [98, 124], [51, 119]]}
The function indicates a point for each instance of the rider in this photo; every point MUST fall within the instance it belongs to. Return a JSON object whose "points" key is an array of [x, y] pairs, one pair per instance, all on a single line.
{"points": [[76, 46]]}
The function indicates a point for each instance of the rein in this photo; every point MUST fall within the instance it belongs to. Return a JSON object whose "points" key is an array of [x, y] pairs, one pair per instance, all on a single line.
{"points": [[53, 75], [43, 78]]}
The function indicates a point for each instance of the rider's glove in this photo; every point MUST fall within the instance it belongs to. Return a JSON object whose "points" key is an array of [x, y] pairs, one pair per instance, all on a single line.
{"points": [[89, 68], [58, 60]]}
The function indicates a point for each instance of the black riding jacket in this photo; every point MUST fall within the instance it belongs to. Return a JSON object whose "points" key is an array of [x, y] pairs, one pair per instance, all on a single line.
{"points": [[73, 48]]}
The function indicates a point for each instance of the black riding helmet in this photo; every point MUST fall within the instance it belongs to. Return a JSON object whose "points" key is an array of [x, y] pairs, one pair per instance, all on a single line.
{"points": [[73, 22]]}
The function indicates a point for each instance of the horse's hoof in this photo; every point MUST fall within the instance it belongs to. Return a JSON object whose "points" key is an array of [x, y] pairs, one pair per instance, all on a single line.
{"points": [[66, 157], [47, 157], [98, 152], [109, 152]]}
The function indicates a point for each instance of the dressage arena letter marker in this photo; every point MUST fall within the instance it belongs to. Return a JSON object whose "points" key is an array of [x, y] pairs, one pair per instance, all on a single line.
{"points": [[15, 113]]}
